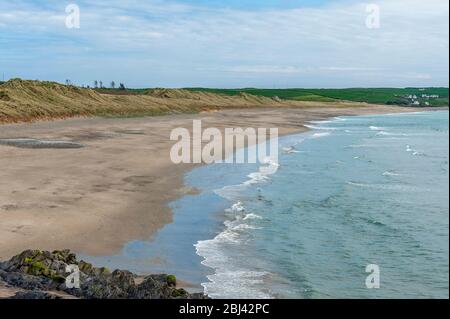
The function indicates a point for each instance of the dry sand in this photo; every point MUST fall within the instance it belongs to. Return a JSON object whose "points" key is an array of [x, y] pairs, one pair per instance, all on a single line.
{"points": [[94, 199]]}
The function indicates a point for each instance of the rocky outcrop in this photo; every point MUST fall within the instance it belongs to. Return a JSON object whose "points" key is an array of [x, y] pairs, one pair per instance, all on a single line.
{"points": [[42, 275]]}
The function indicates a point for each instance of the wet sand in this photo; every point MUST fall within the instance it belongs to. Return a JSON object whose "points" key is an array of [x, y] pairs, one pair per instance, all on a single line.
{"points": [[93, 199]]}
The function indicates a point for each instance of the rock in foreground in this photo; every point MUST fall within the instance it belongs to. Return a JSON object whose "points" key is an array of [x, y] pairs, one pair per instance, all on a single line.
{"points": [[36, 274]]}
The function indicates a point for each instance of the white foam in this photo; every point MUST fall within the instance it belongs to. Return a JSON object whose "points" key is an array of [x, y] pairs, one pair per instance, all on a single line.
{"points": [[321, 122], [252, 216], [317, 135], [389, 173], [389, 187], [233, 192], [409, 149], [290, 150], [270, 169], [385, 133], [394, 134], [404, 113], [231, 280], [361, 145], [236, 208], [313, 127], [358, 184], [255, 178], [236, 284], [240, 227]]}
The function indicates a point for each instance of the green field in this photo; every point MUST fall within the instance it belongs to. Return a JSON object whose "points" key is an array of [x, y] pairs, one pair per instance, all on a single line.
{"points": [[369, 95]]}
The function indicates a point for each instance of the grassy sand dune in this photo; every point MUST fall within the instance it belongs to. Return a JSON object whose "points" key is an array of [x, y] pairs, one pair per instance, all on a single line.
{"points": [[25, 100]]}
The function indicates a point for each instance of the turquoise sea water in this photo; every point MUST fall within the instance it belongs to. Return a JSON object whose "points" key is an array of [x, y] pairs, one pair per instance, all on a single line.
{"points": [[352, 191]]}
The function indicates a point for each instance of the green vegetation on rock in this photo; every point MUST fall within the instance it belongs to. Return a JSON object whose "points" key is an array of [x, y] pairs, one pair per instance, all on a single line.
{"points": [[171, 280], [179, 293]]}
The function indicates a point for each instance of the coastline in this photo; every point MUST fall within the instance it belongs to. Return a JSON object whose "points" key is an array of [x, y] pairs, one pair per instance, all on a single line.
{"points": [[95, 199], [255, 224]]}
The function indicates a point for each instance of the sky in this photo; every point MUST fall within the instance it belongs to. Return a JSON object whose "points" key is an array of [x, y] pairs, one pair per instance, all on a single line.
{"points": [[228, 43]]}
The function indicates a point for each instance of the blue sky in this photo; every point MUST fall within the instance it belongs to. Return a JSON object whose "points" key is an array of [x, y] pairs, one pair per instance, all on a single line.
{"points": [[258, 4], [212, 43]]}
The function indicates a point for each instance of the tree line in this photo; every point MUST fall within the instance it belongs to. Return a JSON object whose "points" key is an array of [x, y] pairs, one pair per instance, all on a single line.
{"points": [[100, 85]]}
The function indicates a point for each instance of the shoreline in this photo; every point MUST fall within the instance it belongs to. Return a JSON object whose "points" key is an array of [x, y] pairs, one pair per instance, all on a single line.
{"points": [[220, 248], [95, 199]]}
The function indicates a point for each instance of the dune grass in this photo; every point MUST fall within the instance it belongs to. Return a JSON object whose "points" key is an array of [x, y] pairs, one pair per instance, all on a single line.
{"points": [[25, 100]]}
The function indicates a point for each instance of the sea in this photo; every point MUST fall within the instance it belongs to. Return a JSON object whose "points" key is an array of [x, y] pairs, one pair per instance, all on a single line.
{"points": [[351, 194]]}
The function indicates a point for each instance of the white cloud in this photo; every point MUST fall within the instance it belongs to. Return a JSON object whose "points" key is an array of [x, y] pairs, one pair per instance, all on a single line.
{"points": [[275, 69], [169, 43], [350, 68], [420, 76]]}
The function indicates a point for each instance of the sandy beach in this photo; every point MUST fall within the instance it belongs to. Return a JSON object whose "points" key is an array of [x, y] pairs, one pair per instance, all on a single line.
{"points": [[94, 199]]}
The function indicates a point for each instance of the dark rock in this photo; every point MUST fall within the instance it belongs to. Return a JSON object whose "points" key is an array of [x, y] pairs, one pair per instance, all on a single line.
{"points": [[40, 271], [123, 279], [34, 295], [24, 281], [153, 287]]}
